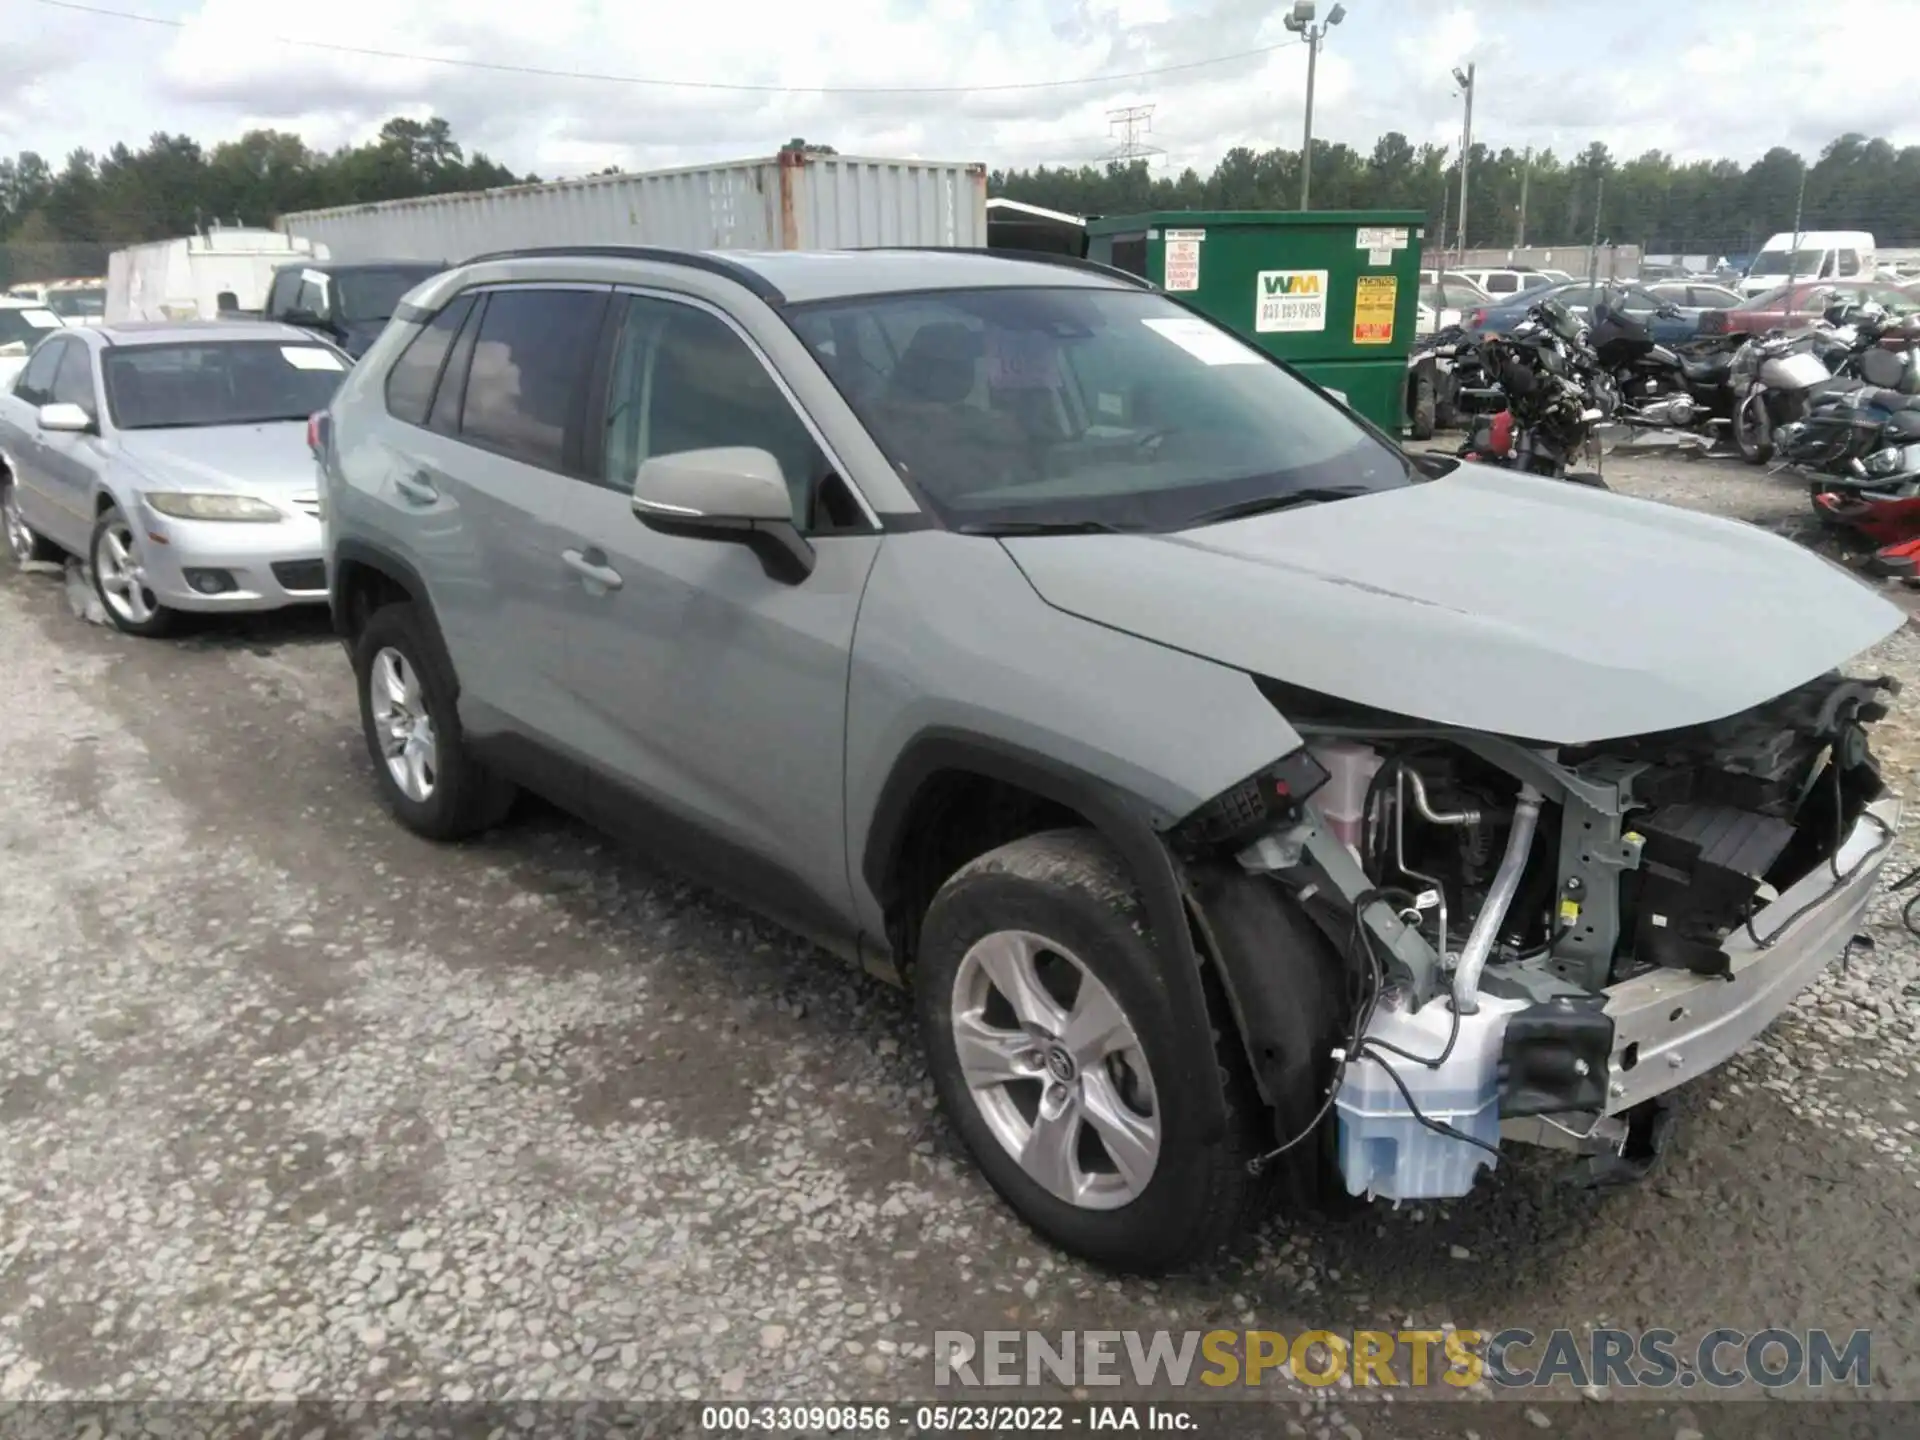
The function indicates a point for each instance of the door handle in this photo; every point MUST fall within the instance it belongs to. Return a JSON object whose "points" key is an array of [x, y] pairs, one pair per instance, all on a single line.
{"points": [[603, 575], [417, 488]]}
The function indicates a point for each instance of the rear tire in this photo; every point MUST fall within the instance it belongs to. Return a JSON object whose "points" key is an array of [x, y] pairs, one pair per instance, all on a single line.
{"points": [[1089, 1143], [24, 543], [426, 775], [1422, 411]]}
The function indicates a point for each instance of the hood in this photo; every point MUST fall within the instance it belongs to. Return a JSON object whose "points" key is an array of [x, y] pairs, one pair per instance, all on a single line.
{"points": [[271, 461], [1492, 601]]}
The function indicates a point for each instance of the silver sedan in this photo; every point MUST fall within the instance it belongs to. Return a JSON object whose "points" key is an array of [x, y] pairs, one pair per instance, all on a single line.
{"points": [[174, 458]]}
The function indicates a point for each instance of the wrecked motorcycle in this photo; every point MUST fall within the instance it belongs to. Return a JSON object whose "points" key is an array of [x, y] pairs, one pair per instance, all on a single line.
{"points": [[1858, 431], [1661, 388], [1777, 377], [1542, 392]]}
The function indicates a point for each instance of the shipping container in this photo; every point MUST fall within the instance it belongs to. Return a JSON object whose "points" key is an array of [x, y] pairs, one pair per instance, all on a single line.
{"points": [[186, 279], [790, 201], [1331, 292]]}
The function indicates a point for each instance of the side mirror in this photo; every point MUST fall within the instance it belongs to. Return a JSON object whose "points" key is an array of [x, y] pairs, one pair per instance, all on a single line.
{"points": [[65, 417], [733, 493]]}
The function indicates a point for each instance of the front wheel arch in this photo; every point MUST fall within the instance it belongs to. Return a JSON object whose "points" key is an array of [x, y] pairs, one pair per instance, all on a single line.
{"points": [[1117, 818]]}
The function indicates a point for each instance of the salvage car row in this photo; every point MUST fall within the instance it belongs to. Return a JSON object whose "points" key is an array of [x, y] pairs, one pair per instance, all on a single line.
{"points": [[1259, 814]]}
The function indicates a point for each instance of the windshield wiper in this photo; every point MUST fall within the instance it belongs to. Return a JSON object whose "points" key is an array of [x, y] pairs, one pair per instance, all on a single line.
{"points": [[1045, 527], [1262, 504]]}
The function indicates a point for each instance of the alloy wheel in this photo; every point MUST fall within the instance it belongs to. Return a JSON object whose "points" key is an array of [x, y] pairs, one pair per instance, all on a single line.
{"points": [[123, 578], [404, 727], [1056, 1069]]}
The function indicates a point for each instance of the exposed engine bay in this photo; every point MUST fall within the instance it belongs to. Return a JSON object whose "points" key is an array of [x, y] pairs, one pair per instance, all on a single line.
{"points": [[1506, 912]]}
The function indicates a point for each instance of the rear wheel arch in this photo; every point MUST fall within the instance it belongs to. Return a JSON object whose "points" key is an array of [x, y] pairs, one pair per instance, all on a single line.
{"points": [[903, 850], [366, 578]]}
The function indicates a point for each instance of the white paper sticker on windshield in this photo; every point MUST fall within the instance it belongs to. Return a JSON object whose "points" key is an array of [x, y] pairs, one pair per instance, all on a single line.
{"points": [[311, 357], [1206, 343], [42, 319]]}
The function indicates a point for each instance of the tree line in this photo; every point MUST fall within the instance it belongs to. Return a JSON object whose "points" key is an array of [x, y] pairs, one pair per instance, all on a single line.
{"points": [[66, 221], [1716, 206]]}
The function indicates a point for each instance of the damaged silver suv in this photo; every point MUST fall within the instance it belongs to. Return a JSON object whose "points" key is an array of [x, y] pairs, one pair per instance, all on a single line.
{"points": [[1257, 814]]}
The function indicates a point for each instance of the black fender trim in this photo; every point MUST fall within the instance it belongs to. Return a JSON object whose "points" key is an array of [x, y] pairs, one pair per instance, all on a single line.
{"points": [[1284, 980], [1121, 821], [376, 557]]}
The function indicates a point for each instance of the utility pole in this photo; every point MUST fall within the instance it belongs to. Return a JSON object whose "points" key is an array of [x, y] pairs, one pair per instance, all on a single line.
{"points": [[1300, 21], [1593, 248], [1520, 229], [1793, 255], [1464, 79]]}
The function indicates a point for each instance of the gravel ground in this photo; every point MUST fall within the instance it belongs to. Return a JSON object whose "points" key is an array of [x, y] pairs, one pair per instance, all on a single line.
{"points": [[294, 1104]]}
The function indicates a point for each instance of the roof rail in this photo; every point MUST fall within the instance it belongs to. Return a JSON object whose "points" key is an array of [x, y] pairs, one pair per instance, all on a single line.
{"points": [[1038, 257], [692, 259]]}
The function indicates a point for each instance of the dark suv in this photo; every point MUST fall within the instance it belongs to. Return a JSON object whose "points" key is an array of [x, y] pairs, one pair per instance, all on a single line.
{"points": [[348, 303]]}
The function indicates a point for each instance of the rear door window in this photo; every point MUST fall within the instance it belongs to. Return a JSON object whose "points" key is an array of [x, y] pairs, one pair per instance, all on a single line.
{"points": [[311, 297], [1849, 263], [527, 384], [280, 297], [411, 381]]}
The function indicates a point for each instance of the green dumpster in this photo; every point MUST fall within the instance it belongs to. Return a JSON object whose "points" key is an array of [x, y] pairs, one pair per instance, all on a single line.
{"points": [[1331, 292]]}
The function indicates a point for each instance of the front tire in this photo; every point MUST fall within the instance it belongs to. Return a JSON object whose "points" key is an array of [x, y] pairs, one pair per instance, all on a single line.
{"points": [[120, 579], [1043, 1006], [426, 775], [1752, 432], [24, 543]]}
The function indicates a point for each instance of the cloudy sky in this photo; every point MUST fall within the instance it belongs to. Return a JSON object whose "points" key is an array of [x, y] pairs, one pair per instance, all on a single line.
{"points": [[950, 79]]}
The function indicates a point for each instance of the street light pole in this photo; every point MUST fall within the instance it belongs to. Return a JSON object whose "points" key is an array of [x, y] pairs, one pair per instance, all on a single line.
{"points": [[1464, 79], [1300, 21]]}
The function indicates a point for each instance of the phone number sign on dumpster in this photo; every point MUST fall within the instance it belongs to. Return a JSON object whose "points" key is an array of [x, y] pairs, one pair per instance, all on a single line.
{"points": [[1290, 300]]}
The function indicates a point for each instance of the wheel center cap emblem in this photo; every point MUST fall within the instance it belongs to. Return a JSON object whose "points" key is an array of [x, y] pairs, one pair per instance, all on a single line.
{"points": [[1060, 1064]]}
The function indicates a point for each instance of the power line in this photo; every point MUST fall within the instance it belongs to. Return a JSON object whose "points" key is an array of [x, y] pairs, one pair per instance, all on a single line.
{"points": [[502, 68]]}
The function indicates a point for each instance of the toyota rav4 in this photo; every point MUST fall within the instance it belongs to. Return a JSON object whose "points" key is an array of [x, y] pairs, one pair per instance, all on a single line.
{"points": [[1258, 814]]}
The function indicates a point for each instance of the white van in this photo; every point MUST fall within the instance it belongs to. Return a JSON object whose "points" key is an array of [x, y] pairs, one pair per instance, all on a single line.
{"points": [[1810, 255], [199, 277]]}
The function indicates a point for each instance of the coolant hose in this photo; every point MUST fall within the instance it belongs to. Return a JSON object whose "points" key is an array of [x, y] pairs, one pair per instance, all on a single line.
{"points": [[1493, 912]]}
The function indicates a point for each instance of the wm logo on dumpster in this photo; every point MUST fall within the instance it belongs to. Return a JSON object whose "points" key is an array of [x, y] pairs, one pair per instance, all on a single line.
{"points": [[1289, 300], [1293, 282]]}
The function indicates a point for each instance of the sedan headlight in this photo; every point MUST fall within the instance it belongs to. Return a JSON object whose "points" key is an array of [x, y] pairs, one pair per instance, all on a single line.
{"points": [[211, 505]]}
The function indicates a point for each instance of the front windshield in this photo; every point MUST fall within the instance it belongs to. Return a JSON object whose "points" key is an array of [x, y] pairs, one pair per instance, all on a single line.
{"points": [[217, 382], [370, 295], [77, 304], [1782, 262], [1095, 407]]}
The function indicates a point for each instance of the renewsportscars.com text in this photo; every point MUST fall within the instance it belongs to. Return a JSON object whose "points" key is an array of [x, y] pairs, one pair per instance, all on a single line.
{"points": [[1512, 1358]]}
